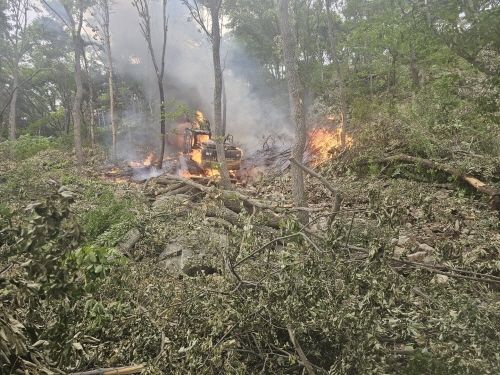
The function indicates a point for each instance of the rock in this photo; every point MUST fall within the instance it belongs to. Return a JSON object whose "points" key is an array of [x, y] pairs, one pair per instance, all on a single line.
{"points": [[440, 279], [398, 251], [429, 259], [426, 248], [187, 254], [172, 250], [417, 257], [402, 240], [173, 264], [170, 258]]}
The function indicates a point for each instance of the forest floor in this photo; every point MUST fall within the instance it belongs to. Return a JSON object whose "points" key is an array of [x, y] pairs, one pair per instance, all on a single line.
{"points": [[404, 278]]}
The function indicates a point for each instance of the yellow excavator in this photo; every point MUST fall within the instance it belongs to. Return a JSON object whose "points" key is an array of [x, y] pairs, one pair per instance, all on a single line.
{"points": [[199, 144]]}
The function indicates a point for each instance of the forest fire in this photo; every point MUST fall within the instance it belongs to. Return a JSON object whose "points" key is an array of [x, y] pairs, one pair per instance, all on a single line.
{"points": [[199, 160], [147, 162], [322, 143]]}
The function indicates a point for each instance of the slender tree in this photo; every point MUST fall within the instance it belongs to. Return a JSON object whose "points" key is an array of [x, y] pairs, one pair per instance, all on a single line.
{"points": [[17, 45], [90, 102], [73, 19], [212, 29], [295, 92], [76, 23], [334, 54], [143, 9], [103, 19]]}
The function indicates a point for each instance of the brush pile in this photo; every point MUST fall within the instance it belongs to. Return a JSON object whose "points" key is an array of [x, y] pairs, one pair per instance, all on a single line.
{"points": [[181, 276]]}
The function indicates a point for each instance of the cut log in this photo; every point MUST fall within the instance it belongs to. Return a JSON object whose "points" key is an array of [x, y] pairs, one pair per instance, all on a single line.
{"points": [[225, 214], [226, 194], [129, 240], [473, 182], [180, 190], [113, 371]]}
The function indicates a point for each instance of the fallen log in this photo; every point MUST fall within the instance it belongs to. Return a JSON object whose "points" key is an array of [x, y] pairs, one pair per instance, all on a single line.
{"points": [[113, 371], [225, 214], [180, 190], [473, 182], [225, 194], [130, 239]]}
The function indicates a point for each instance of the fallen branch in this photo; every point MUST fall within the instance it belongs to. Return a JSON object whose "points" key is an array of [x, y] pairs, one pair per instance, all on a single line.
{"points": [[300, 233], [473, 182], [442, 270], [251, 255], [336, 194], [305, 362], [113, 371]]}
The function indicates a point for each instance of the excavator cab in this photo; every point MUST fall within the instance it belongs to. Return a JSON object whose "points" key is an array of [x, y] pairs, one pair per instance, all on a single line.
{"points": [[201, 139]]}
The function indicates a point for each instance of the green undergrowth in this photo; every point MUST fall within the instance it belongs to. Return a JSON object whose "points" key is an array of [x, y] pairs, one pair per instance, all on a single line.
{"points": [[353, 312]]}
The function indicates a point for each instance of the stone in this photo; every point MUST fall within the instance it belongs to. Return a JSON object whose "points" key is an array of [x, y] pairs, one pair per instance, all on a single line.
{"points": [[398, 251], [172, 250], [440, 279], [426, 248], [403, 240], [429, 259], [418, 256]]}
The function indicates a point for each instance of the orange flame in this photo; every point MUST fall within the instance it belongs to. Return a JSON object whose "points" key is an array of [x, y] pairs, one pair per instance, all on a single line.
{"points": [[322, 142], [149, 160]]}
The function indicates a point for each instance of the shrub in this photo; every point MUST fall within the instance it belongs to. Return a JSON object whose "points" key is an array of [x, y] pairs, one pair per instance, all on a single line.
{"points": [[109, 214], [25, 147]]}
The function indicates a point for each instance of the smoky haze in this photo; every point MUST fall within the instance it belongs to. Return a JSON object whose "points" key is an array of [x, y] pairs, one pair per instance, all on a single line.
{"points": [[189, 71]]}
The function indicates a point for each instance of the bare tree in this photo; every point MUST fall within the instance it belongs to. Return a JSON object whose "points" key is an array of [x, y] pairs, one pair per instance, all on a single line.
{"points": [[211, 26], [104, 10], [18, 43], [143, 10], [295, 91]]}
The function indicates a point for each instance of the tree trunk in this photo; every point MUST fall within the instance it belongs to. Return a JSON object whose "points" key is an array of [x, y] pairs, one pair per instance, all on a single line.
{"points": [[111, 88], [219, 131], [77, 104], [114, 129], [296, 106], [338, 70], [91, 109], [162, 122], [13, 107], [414, 72], [224, 107]]}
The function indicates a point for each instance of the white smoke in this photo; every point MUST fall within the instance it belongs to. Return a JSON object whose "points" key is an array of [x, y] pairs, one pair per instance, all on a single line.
{"points": [[189, 71]]}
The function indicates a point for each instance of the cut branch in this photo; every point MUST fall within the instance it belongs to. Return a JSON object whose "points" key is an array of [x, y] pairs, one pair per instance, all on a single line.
{"points": [[113, 371], [473, 182], [336, 194], [305, 362]]}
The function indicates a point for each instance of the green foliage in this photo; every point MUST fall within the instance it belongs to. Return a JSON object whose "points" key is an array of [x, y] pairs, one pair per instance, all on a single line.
{"points": [[95, 261], [36, 303], [173, 110], [25, 147], [111, 217]]}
